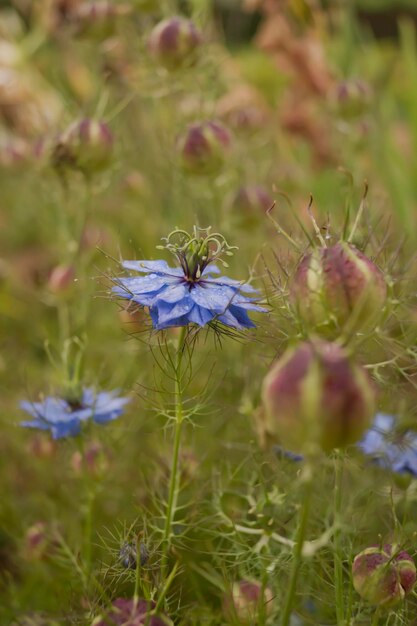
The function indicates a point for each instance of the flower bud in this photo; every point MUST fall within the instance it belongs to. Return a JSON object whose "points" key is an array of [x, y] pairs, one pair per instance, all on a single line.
{"points": [[336, 286], [61, 278], [128, 555], [87, 145], [203, 147], [353, 97], [36, 541], [173, 42], [97, 19], [247, 600], [383, 576], [316, 397]]}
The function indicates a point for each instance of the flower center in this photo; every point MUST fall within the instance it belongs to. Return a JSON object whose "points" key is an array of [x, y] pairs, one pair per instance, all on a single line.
{"points": [[196, 251]]}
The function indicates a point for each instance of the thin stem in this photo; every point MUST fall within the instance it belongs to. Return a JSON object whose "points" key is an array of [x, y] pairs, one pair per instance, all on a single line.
{"points": [[375, 619], [174, 479], [338, 564], [298, 548], [88, 531], [138, 572]]}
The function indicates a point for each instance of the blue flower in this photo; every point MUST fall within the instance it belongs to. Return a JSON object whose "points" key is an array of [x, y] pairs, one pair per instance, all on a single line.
{"points": [[388, 448], [287, 454], [64, 419], [175, 298]]}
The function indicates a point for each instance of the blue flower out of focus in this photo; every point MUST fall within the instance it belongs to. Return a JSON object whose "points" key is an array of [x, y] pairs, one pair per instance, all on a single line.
{"points": [[64, 418], [389, 449], [193, 292]]}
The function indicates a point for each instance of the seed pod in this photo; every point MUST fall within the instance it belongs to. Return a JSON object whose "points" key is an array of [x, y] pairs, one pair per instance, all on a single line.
{"points": [[61, 278], [36, 541], [316, 397], [174, 41], [336, 286], [87, 145], [246, 601], [353, 98], [383, 576], [203, 148]]}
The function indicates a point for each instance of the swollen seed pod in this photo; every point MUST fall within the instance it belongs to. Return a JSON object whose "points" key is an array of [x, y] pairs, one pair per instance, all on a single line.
{"points": [[174, 41], [383, 576], [338, 286], [315, 397], [247, 600], [61, 279], [87, 145], [203, 147]]}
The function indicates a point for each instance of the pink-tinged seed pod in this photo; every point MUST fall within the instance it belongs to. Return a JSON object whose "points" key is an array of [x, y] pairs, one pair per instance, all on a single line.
{"points": [[203, 147], [173, 42], [61, 278], [87, 145], [315, 397], [353, 98], [246, 601], [383, 576], [97, 19], [36, 541], [336, 286]]}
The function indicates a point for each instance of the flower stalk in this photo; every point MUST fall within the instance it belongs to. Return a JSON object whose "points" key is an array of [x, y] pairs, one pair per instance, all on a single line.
{"points": [[307, 478], [338, 564], [175, 476]]}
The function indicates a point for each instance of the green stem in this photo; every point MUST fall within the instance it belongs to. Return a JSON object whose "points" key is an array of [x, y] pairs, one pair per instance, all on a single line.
{"points": [[298, 548], [338, 562], [375, 619], [174, 479], [88, 532]]}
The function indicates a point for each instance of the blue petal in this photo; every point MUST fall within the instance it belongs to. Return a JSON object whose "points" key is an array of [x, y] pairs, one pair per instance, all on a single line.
{"points": [[200, 315], [107, 416], [159, 267], [41, 425], [248, 304], [236, 318], [145, 284], [176, 321], [174, 293], [210, 269], [167, 311], [242, 317], [231, 282], [69, 429], [216, 298]]}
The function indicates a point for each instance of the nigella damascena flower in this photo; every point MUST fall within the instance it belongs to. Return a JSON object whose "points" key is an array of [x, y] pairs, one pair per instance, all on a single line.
{"points": [[192, 292], [388, 448], [63, 418]]}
